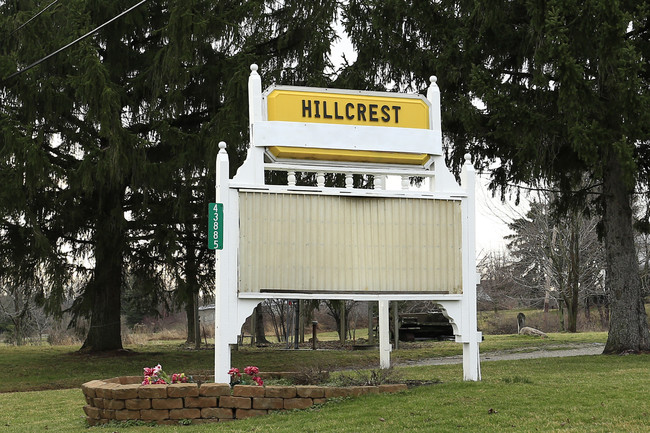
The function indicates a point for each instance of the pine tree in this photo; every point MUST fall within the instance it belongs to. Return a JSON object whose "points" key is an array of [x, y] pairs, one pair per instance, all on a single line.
{"points": [[108, 148], [562, 92]]}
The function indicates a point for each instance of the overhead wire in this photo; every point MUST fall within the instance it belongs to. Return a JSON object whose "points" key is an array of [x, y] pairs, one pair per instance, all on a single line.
{"points": [[79, 39], [34, 17]]}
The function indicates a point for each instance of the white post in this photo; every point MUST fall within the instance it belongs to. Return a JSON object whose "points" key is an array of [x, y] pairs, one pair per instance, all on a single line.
{"points": [[252, 171], [471, 337], [380, 181], [433, 95], [225, 288], [395, 326], [349, 181], [384, 335], [432, 183]]}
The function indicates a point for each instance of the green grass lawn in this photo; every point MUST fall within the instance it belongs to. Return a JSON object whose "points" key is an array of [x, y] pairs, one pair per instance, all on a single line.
{"points": [[579, 394], [55, 367]]}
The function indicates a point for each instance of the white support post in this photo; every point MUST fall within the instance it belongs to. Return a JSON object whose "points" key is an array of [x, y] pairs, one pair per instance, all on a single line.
{"points": [[384, 335], [443, 179], [395, 326], [433, 95], [225, 282], [252, 171], [349, 181], [380, 181], [406, 181], [470, 336]]}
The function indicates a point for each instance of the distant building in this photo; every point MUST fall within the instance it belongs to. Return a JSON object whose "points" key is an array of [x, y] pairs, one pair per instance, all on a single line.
{"points": [[206, 314]]}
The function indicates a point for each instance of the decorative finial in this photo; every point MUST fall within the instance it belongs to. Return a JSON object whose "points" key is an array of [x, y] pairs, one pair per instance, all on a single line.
{"points": [[254, 68], [222, 147], [468, 158], [433, 79]]}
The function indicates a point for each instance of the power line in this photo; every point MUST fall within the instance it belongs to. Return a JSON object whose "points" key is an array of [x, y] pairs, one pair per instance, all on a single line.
{"points": [[34, 17], [74, 42]]}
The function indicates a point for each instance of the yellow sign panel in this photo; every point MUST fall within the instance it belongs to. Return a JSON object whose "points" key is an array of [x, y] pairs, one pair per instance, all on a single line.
{"points": [[347, 109], [306, 153]]}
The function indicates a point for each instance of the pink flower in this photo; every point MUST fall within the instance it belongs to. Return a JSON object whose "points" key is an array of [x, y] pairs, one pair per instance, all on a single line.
{"points": [[179, 378], [258, 380], [160, 382], [157, 368], [148, 372], [251, 371], [234, 372]]}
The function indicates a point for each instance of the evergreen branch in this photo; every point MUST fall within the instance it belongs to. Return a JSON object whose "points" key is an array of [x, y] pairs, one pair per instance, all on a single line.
{"points": [[638, 31], [522, 74], [585, 190], [34, 17], [59, 158], [81, 125], [79, 39], [77, 240], [184, 120]]}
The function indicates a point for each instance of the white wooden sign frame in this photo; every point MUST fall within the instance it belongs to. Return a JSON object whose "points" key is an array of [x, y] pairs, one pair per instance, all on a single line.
{"points": [[232, 306]]}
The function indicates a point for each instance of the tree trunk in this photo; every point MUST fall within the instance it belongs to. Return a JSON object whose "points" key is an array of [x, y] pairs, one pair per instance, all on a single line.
{"points": [[191, 326], [191, 285], [628, 331], [572, 301], [260, 331], [572, 317], [342, 322], [105, 289], [371, 331]]}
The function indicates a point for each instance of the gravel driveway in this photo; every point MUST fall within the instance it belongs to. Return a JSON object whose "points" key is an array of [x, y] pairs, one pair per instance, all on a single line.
{"points": [[530, 353]]}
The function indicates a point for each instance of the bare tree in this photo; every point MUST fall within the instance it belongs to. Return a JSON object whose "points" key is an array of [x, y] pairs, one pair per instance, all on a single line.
{"points": [[19, 308], [497, 289], [340, 312], [557, 256], [277, 309]]}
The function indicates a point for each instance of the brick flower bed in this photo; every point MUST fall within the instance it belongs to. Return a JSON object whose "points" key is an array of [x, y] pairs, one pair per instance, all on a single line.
{"points": [[125, 398]]}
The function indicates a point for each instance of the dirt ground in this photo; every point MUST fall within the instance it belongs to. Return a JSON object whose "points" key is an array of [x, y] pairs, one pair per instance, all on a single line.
{"points": [[528, 353]]}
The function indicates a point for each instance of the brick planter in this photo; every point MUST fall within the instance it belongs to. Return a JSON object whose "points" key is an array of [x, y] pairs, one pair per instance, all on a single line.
{"points": [[124, 398]]}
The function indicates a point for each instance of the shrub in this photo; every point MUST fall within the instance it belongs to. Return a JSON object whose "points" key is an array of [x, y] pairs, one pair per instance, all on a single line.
{"points": [[367, 378], [59, 336]]}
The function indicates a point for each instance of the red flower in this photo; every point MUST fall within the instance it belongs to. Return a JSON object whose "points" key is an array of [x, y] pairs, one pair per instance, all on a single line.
{"points": [[258, 380], [251, 371]]}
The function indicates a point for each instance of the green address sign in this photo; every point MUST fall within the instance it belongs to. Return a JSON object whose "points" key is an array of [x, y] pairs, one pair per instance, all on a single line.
{"points": [[215, 226]]}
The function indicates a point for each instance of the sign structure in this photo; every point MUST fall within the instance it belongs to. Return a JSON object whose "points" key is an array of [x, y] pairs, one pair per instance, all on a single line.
{"points": [[321, 241], [215, 226]]}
